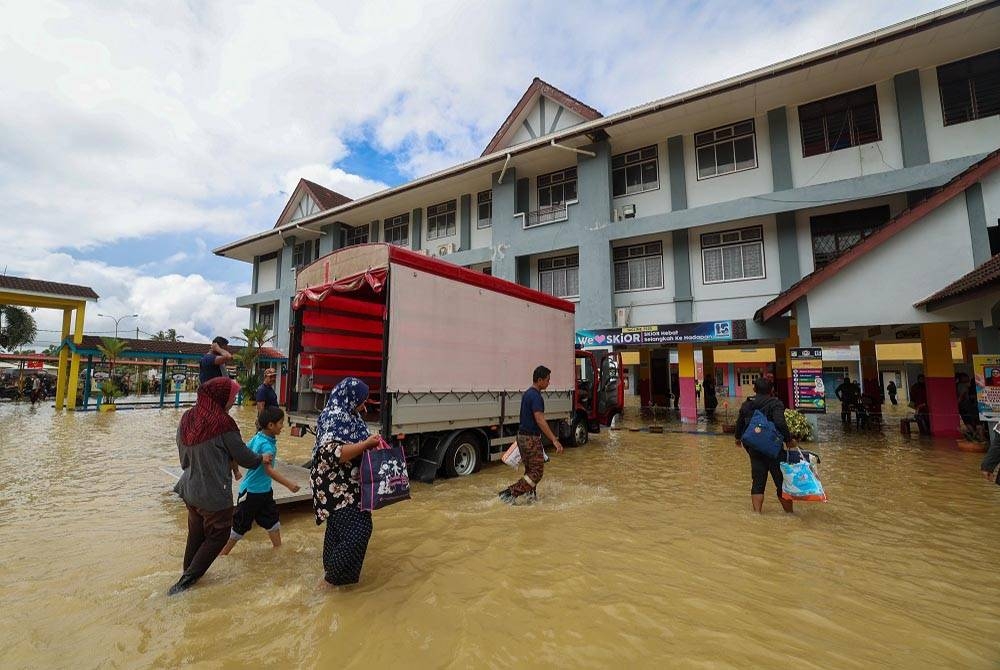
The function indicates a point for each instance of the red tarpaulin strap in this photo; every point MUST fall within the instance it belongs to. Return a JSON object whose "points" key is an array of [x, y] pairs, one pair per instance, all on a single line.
{"points": [[374, 278]]}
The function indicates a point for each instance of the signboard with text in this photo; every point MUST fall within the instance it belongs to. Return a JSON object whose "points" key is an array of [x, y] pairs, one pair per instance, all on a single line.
{"points": [[34, 364], [179, 370], [709, 331], [986, 370], [808, 389]]}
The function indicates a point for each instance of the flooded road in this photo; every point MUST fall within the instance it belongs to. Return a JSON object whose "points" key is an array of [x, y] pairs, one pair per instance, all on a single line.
{"points": [[642, 553]]}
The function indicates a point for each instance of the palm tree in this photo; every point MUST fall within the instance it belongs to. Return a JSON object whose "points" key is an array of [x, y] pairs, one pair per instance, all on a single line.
{"points": [[17, 327], [170, 335], [111, 349], [255, 338]]}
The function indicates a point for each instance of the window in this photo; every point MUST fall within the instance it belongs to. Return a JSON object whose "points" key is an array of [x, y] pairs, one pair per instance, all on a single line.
{"points": [[833, 234], [302, 254], [748, 378], [397, 230], [638, 267], [634, 172], [560, 276], [265, 316], [484, 202], [970, 88], [556, 188], [726, 149], [441, 220], [732, 255], [357, 235], [842, 121]]}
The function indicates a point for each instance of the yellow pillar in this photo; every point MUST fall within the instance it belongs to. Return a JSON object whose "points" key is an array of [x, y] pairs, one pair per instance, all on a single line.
{"points": [[870, 384], [685, 371], [74, 366], [63, 356], [939, 379]]}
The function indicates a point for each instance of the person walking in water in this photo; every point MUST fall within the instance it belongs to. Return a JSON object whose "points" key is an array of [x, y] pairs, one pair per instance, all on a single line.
{"points": [[918, 401], [761, 464], [848, 396], [530, 429], [892, 391]]}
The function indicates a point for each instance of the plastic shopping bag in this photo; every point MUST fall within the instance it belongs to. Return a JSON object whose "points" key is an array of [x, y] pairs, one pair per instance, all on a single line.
{"points": [[800, 482], [384, 480]]}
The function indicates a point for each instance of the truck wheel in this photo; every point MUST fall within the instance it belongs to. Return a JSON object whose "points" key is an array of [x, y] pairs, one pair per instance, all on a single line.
{"points": [[579, 432], [462, 457]]}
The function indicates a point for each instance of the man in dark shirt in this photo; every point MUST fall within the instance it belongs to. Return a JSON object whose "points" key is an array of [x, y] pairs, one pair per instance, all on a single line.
{"points": [[211, 364], [266, 397], [760, 464], [529, 438], [847, 394]]}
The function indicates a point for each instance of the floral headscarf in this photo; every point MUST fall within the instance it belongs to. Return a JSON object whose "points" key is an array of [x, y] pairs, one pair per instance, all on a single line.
{"points": [[340, 420], [209, 417]]}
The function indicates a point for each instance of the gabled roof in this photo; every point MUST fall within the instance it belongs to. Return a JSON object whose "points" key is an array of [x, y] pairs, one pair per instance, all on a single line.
{"points": [[40, 286], [786, 299], [984, 279], [324, 197], [537, 89]]}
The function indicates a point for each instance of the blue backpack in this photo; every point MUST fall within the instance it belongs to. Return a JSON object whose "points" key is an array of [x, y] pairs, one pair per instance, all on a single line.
{"points": [[761, 435]]}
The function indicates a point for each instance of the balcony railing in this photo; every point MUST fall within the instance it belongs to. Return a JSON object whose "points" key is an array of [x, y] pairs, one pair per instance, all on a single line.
{"points": [[546, 215]]}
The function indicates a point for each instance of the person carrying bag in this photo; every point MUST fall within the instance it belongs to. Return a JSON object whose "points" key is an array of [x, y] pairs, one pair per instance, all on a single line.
{"points": [[761, 430]]}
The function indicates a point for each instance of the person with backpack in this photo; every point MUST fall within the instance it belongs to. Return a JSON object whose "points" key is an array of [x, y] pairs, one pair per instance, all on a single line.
{"points": [[762, 431]]}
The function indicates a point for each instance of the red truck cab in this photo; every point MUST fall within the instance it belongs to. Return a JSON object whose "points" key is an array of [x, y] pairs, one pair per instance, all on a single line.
{"points": [[599, 395]]}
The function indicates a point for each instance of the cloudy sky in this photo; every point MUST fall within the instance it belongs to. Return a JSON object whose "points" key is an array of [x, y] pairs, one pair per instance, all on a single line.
{"points": [[135, 137]]}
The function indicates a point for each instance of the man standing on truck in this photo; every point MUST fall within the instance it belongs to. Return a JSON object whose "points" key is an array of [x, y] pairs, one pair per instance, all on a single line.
{"points": [[529, 438]]}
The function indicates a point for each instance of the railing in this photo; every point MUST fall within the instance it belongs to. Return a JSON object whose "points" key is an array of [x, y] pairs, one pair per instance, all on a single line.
{"points": [[545, 215]]}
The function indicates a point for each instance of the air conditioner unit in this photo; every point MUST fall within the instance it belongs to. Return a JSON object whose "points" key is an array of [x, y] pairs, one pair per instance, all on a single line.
{"points": [[628, 212], [621, 316], [616, 214], [446, 249]]}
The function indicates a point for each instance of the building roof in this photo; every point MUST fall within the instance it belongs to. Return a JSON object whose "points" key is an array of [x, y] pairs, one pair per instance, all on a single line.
{"points": [[324, 197], [786, 299], [877, 39], [984, 279], [537, 89], [40, 286], [158, 349]]}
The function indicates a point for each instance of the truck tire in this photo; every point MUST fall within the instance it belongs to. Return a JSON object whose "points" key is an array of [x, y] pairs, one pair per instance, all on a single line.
{"points": [[578, 432], [463, 456]]}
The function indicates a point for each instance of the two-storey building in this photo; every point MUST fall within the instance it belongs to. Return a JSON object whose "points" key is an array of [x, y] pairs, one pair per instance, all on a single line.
{"points": [[820, 199]]}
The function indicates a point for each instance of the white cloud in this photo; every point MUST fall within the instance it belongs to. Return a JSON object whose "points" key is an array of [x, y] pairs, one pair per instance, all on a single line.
{"points": [[335, 179]]}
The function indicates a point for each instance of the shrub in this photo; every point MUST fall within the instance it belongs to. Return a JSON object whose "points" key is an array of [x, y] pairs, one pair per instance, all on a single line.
{"points": [[799, 425]]}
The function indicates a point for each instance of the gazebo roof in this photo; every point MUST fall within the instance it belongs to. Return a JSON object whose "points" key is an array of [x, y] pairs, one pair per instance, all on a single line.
{"points": [[46, 288], [160, 349]]}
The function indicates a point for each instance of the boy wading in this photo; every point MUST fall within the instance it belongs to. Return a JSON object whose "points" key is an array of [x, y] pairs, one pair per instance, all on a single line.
{"points": [[530, 430]]}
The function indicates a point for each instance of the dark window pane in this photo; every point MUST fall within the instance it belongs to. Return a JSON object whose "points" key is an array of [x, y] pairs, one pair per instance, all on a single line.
{"points": [[544, 180], [744, 153], [724, 157], [706, 161], [649, 152], [838, 132], [557, 194], [866, 124], [986, 89], [544, 198], [703, 138], [571, 190], [633, 176], [618, 161], [618, 182], [813, 141], [649, 174]]}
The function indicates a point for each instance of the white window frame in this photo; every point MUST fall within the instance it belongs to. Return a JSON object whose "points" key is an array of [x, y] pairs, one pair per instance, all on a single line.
{"points": [[442, 220], [750, 375], [557, 178], [548, 268], [484, 198], [750, 236], [392, 227], [634, 253], [356, 235], [637, 158], [721, 136]]}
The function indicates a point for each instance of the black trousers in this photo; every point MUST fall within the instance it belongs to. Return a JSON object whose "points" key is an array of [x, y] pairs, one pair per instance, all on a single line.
{"points": [[760, 466], [345, 544], [208, 533]]}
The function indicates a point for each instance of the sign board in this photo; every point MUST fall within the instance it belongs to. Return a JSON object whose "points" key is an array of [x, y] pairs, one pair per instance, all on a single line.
{"points": [[709, 331], [808, 389], [179, 370], [986, 370], [179, 377], [34, 364]]}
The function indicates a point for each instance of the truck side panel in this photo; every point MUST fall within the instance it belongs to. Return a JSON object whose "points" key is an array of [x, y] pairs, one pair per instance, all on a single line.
{"points": [[451, 336]]}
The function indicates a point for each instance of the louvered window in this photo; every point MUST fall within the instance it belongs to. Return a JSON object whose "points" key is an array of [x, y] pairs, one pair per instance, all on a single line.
{"points": [[843, 121], [970, 88]]}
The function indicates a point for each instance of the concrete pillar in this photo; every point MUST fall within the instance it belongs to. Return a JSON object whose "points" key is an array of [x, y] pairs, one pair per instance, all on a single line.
{"points": [[870, 385], [731, 379], [465, 219], [685, 373], [74, 366], [783, 364], [970, 348], [645, 377], [596, 278], [939, 375], [683, 295], [504, 224], [910, 111], [63, 357], [707, 362], [416, 229]]}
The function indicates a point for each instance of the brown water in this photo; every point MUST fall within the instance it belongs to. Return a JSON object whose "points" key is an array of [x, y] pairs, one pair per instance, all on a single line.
{"points": [[641, 553]]}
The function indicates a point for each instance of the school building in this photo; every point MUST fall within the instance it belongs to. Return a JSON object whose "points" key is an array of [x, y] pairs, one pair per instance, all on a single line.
{"points": [[849, 196]]}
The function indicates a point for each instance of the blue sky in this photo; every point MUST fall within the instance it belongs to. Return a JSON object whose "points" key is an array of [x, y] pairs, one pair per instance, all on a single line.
{"points": [[136, 138]]}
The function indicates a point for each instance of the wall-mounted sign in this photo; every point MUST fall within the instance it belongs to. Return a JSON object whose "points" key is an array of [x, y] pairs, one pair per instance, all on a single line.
{"points": [[986, 370], [35, 364], [709, 331], [808, 390], [179, 370]]}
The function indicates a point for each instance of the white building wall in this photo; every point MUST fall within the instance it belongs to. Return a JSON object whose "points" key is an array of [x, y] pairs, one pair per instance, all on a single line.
{"points": [[736, 299], [267, 275], [652, 202], [481, 237], [881, 286], [865, 159], [897, 203], [960, 139], [735, 185], [991, 198], [652, 306]]}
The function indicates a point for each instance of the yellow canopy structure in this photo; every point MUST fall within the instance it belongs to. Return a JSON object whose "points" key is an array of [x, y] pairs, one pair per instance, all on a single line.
{"points": [[69, 298]]}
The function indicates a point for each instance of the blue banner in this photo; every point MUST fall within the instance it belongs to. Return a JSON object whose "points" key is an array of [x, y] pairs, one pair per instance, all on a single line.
{"points": [[709, 331]]}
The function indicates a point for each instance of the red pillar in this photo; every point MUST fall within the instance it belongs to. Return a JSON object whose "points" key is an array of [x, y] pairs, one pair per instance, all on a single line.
{"points": [[939, 375], [685, 370]]}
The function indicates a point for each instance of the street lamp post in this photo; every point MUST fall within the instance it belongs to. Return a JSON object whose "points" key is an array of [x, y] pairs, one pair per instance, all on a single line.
{"points": [[119, 319]]}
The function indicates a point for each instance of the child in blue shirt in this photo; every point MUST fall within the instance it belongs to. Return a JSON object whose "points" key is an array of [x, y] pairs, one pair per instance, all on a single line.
{"points": [[256, 498]]}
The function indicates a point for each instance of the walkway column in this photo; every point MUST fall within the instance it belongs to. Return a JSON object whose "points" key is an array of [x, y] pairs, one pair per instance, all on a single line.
{"points": [[939, 374], [645, 377], [74, 366], [970, 348], [731, 380], [63, 357], [870, 384], [783, 365], [685, 371], [707, 368]]}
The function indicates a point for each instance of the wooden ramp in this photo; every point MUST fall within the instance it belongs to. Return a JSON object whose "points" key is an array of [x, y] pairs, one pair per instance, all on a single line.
{"points": [[295, 473]]}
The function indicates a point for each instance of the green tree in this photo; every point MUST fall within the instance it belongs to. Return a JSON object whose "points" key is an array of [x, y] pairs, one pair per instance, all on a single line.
{"points": [[17, 327], [170, 335], [111, 349], [248, 357]]}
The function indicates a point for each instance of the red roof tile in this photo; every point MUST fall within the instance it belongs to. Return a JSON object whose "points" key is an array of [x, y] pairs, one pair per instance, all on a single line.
{"points": [[48, 287], [984, 278]]}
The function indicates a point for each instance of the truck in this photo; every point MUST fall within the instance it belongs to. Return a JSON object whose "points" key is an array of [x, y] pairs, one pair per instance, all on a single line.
{"points": [[446, 352]]}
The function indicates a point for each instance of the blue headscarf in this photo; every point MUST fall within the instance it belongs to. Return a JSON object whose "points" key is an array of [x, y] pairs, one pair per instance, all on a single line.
{"points": [[340, 420]]}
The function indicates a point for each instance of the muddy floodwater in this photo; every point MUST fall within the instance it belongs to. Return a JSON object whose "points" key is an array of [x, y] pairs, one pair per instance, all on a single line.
{"points": [[642, 552]]}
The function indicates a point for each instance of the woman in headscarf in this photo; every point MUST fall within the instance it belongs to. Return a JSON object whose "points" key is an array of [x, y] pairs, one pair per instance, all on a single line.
{"points": [[207, 440], [341, 437]]}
